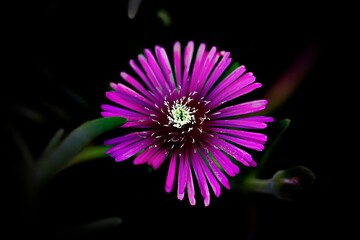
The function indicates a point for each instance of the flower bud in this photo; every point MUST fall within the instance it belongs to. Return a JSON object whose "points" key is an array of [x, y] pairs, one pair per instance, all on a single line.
{"points": [[290, 183]]}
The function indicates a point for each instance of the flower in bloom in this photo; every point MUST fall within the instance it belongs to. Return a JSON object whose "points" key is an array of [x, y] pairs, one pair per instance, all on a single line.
{"points": [[182, 114]]}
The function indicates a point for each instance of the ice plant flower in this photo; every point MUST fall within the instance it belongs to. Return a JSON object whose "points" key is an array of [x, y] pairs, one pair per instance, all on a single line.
{"points": [[184, 114]]}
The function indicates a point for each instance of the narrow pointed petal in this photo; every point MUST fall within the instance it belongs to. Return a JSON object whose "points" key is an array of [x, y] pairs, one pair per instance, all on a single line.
{"points": [[264, 119], [189, 51], [190, 185], [209, 64], [124, 139], [246, 143], [121, 100], [238, 123], [157, 70], [234, 151], [131, 149], [217, 171], [199, 173], [227, 81], [122, 112], [210, 175], [141, 74], [256, 137], [235, 91], [160, 87], [182, 176], [240, 109], [219, 69], [166, 67], [171, 173], [199, 60], [224, 161], [138, 86], [145, 156], [158, 158]]}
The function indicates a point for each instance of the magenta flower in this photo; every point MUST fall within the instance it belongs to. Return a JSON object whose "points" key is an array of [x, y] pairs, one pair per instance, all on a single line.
{"points": [[181, 116]]}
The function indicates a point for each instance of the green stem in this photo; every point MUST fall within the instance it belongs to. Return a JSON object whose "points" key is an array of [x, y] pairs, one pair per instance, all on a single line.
{"points": [[257, 185]]}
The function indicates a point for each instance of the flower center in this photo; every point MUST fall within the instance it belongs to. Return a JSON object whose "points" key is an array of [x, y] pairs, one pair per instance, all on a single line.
{"points": [[180, 114]]}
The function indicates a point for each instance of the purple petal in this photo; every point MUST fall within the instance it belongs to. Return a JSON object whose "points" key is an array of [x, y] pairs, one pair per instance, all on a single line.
{"points": [[199, 59], [132, 122], [210, 176], [199, 173], [224, 161], [126, 102], [165, 66], [246, 143], [141, 74], [158, 158], [139, 124], [190, 186], [218, 70], [131, 149], [125, 139], [145, 156], [227, 81], [217, 172], [209, 64], [260, 118], [132, 81], [258, 137], [171, 173], [240, 109], [189, 51], [128, 114], [156, 70], [237, 85], [182, 176], [159, 85], [232, 94], [234, 151], [132, 95], [238, 123]]}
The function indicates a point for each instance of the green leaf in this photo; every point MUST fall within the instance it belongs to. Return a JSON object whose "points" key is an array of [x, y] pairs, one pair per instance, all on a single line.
{"points": [[88, 154], [76, 141]]}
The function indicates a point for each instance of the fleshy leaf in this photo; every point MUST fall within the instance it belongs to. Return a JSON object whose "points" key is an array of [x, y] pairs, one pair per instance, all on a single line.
{"points": [[79, 138], [89, 153]]}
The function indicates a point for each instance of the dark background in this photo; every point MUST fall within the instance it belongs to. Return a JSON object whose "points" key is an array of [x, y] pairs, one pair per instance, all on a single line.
{"points": [[67, 52]]}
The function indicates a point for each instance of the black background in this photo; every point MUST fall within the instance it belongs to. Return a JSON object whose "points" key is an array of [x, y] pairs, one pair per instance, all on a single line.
{"points": [[65, 55]]}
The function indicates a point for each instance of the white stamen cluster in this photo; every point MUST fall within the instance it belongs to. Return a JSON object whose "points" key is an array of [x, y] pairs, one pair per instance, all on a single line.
{"points": [[180, 114]]}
